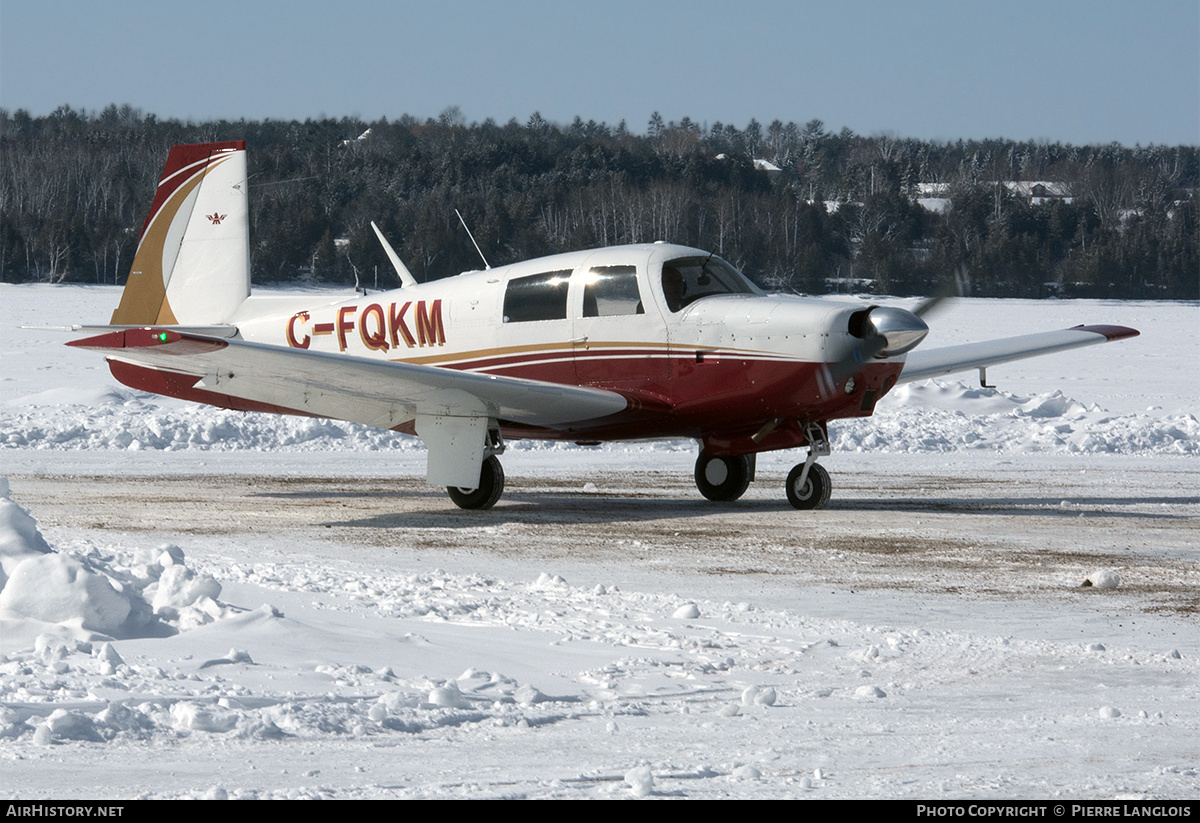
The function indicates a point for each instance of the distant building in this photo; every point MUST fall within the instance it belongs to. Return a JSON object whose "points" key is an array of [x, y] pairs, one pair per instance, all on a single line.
{"points": [[937, 205], [935, 197], [1039, 191]]}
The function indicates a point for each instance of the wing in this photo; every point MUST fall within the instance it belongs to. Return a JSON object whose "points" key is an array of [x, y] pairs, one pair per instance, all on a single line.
{"points": [[451, 409], [935, 362]]}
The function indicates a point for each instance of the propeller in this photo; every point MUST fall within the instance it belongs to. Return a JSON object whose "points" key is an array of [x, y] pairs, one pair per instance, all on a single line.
{"points": [[880, 331]]}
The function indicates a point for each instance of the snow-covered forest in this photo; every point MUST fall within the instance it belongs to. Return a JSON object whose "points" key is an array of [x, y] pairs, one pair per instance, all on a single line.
{"points": [[796, 207]]}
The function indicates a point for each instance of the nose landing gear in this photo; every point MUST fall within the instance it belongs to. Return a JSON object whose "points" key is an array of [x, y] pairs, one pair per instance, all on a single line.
{"points": [[808, 486], [808, 482], [726, 477]]}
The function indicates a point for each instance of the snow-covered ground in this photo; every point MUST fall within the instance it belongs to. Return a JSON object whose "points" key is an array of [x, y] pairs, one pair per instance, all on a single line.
{"points": [[217, 604]]}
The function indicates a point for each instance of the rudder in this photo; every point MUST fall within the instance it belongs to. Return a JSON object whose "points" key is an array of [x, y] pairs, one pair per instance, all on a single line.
{"points": [[193, 258]]}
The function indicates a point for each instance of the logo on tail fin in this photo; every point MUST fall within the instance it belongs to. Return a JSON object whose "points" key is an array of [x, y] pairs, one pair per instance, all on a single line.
{"points": [[183, 272]]}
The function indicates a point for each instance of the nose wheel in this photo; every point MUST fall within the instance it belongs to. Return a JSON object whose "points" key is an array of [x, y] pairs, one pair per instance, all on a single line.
{"points": [[808, 482], [808, 490]]}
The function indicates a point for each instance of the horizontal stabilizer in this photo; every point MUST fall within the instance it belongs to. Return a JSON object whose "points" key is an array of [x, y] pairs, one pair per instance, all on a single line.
{"points": [[210, 331], [935, 362]]}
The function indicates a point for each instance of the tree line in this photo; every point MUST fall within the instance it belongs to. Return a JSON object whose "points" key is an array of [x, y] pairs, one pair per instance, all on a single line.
{"points": [[796, 207]]}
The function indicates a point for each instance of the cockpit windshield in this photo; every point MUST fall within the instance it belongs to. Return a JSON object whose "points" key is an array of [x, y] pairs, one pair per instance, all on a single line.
{"points": [[688, 279]]}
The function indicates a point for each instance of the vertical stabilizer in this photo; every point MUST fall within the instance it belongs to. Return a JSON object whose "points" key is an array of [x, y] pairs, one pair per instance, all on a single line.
{"points": [[193, 259]]}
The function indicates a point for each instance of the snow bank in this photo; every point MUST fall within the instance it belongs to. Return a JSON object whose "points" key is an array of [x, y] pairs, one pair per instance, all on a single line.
{"points": [[56, 588], [936, 416], [928, 417], [20, 539], [137, 423], [87, 597]]}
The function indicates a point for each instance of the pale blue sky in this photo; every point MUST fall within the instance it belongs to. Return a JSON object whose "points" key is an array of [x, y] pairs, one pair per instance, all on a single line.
{"points": [[1061, 70]]}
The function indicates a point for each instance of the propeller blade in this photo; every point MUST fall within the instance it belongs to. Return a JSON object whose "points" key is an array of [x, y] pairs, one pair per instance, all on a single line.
{"points": [[928, 304]]}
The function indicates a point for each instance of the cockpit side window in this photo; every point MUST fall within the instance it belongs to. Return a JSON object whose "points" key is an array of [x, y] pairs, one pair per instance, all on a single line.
{"points": [[610, 291], [537, 297], [688, 279]]}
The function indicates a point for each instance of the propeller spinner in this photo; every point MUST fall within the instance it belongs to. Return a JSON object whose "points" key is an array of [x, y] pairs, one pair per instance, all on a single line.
{"points": [[896, 331], [882, 331]]}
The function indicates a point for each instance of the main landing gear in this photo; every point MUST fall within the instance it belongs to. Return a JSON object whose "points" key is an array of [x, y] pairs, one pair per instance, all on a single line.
{"points": [[485, 495], [726, 477], [491, 478]]}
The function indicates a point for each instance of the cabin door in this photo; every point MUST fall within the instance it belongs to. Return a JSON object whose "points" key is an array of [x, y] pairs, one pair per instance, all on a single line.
{"points": [[619, 338]]}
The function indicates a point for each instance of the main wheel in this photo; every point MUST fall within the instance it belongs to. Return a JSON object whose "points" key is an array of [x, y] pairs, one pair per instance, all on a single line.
{"points": [[723, 478], [491, 484], [814, 493]]}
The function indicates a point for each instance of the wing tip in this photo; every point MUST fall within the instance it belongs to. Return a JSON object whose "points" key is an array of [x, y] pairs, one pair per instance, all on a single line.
{"points": [[108, 340], [1110, 333]]}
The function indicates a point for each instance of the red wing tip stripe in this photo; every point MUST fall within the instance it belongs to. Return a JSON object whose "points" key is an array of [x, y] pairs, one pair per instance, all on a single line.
{"points": [[1110, 332]]}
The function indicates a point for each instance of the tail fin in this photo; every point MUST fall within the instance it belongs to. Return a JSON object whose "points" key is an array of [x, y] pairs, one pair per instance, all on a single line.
{"points": [[193, 259]]}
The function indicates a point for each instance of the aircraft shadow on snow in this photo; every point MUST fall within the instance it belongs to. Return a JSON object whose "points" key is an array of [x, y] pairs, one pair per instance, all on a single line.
{"points": [[539, 508], [1032, 506]]}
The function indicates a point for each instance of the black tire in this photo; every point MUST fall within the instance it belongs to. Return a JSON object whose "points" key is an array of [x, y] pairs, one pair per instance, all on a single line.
{"points": [[491, 485], [814, 494], [723, 478]]}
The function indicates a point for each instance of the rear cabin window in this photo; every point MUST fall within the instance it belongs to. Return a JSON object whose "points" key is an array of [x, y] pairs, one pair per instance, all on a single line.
{"points": [[610, 291], [537, 297]]}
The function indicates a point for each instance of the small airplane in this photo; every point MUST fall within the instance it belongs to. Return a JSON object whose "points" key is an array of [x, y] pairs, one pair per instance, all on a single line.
{"points": [[623, 343]]}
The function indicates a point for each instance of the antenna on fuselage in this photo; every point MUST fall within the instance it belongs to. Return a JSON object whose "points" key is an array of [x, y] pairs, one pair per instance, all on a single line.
{"points": [[486, 265]]}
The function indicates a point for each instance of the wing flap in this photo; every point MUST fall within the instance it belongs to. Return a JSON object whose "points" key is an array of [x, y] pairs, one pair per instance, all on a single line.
{"points": [[378, 393], [920, 365]]}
